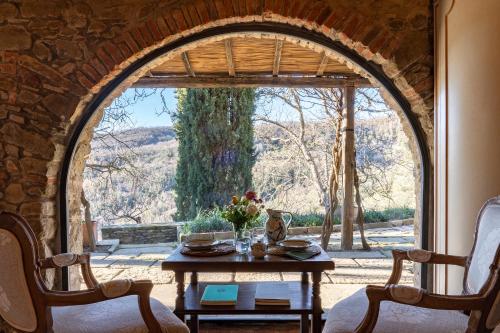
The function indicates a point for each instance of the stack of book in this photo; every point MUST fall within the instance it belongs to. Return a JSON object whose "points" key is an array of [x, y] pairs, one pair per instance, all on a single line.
{"points": [[220, 294], [272, 294]]}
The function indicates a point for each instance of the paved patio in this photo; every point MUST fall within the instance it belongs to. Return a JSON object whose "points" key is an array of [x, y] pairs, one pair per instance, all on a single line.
{"points": [[355, 269]]}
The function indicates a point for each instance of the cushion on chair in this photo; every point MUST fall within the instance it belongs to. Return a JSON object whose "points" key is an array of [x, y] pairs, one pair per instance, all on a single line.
{"points": [[488, 238], [393, 317], [16, 305], [116, 315]]}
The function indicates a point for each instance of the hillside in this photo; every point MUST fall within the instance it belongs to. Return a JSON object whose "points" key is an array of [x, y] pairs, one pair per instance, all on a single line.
{"points": [[280, 175]]}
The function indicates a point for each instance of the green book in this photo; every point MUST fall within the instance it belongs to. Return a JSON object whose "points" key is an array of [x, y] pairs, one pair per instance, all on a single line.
{"points": [[220, 294]]}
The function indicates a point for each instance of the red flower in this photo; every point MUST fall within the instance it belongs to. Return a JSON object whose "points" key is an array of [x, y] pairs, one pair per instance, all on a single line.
{"points": [[250, 195]]}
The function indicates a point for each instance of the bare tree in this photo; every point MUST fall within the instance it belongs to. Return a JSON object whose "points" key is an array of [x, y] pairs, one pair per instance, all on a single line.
{"points": [[115, 118]]}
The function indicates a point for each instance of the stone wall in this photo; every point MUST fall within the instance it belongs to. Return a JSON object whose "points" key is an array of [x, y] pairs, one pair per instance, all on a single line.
{"points": [[56, 55], [141, 233]]}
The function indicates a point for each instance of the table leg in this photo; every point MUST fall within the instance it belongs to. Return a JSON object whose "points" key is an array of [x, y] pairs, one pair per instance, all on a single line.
{"points": [[179, 301], [316, 301], [194, 324], [305, 277], [194, 277], [304, 323]]}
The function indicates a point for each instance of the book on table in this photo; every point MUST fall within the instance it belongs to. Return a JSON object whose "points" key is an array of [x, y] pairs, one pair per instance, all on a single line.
{"points": [[220, 294], [272, 294]]}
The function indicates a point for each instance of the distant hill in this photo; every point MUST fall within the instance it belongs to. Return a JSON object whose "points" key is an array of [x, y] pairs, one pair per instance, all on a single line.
{"points": [[136, 137], [280, 174]]}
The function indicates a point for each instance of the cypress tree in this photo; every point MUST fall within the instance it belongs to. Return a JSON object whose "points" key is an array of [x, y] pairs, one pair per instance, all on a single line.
{"points": [[215, 133]]}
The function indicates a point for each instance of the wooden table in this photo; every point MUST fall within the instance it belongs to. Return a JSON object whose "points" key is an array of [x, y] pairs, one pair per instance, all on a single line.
{"points": [[305, 299]]}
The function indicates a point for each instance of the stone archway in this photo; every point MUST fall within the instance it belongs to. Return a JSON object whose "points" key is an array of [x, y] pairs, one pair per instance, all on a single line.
{"points": [[69, 57], [137, 70]]}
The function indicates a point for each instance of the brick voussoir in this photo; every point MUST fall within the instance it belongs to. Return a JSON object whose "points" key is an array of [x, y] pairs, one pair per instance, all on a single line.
{"points": [[84, 80], [105, 59], [163, 27], [137, 36], [193, 13], [202, 10], [180, 19], [114, 51], [131, 43], [154, 30]]}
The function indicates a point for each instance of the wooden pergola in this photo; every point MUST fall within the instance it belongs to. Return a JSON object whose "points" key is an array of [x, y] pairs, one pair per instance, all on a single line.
{"points": [[260, 62], [251, 62]]}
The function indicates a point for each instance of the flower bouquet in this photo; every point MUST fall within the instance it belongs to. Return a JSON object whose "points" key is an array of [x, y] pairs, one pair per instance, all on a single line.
{"points": [[241, 212]]}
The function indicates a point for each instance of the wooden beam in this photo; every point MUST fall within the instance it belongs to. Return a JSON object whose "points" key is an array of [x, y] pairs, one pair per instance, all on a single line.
{"points": [[348, 157], [187, 64], [322, 64], [277, 56], [228, 45], [252, 81]]}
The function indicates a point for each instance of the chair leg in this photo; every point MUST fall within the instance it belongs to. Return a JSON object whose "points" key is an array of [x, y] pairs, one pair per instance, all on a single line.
{"points": [[304, 323]]}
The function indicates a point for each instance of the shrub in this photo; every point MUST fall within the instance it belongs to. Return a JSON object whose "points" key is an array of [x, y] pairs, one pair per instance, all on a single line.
{"points": [[307, 220], [389, 214], [207, 221], [212, 221]]}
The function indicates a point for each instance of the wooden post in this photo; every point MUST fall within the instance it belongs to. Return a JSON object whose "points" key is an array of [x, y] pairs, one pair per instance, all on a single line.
{"points": [[348, 168]]}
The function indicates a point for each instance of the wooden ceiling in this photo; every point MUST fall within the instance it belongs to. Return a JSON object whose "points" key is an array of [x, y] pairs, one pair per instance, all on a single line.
{"points": [[251, 62]]}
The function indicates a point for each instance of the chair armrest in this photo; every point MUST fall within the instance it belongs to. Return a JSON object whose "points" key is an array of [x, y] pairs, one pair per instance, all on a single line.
{"points": [[110, 290], [416, 297], [421, 256], [69, 259]]}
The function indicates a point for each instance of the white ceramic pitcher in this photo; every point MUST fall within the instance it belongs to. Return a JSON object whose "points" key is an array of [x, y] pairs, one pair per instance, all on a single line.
{"points": [[276, 227]]}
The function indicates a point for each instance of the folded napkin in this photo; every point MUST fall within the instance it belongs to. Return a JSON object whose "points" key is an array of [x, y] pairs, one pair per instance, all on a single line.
{"points": [[300, 255]]}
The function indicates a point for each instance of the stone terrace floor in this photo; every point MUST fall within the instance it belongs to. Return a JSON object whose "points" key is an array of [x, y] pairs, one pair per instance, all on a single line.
{"points": [[354, 269]]}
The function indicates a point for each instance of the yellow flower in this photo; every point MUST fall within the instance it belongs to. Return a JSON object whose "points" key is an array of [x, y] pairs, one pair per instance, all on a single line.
{"points": [[234, 200]]}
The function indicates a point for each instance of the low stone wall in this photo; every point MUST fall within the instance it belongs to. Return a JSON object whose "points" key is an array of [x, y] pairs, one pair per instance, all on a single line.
{"points": [[294, 231], [141, 233]]}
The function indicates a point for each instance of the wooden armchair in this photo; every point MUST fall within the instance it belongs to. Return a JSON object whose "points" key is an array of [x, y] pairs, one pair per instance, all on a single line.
{"points": [[28, 305], [396, 308]]}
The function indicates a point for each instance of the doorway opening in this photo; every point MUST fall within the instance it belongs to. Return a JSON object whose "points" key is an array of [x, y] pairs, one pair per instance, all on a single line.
{"points": [[310, 40]]}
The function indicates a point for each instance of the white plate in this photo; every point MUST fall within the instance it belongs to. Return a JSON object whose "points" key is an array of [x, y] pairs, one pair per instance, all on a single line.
{"points": [[200, 244], [295, 244]]}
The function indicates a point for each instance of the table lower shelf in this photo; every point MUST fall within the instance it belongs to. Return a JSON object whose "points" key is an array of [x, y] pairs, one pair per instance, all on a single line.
{"points": [[300, 300]]}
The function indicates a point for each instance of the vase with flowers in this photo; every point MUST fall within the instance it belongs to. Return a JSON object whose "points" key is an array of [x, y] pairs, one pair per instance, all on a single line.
{"points": [[241, 212]]}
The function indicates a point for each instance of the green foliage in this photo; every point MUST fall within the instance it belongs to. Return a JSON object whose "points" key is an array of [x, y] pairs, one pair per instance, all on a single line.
{"points": [[310, 220], [215, 132], [389, 214], [212, 221], [207, 221]]}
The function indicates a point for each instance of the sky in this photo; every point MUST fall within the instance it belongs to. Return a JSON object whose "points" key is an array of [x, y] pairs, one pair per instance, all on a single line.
{"points": [[147, 111]]}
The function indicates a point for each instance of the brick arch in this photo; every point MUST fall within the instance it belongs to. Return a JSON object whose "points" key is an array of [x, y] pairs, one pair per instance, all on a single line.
{"points": [[118, 64]]}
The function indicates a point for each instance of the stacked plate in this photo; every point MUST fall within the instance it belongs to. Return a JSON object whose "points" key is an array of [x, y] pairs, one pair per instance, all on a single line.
{"points": [[294, 244], [200, 245]]}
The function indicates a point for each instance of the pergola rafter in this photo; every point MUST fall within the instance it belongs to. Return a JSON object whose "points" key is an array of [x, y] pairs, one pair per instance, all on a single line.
{"points": [[187, 64], [252, 62], [228, 46], [277, 57], [322, 64]]}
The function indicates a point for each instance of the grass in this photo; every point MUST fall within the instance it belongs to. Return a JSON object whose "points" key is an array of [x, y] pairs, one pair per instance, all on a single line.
{"points": [[211, 221]]}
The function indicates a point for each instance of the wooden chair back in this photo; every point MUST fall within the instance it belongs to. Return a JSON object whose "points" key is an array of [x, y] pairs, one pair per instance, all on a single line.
{"points": [[22, 303], [482, 268]]}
